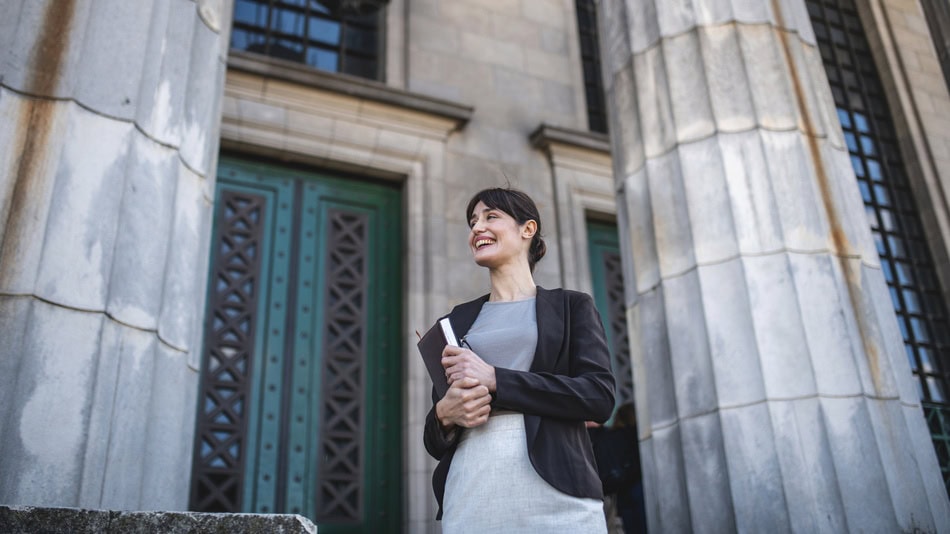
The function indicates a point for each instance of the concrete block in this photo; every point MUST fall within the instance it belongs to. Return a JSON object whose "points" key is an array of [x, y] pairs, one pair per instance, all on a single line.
{"points": [[29, 175], [670, 487], [114, 455], [755, 474], [162, 90], [552, 40], [780, 336], [627, 146], [727, 85], [29, 519], [690, 358], [558, 101], [752, 200], [428, 33], [880, 311], [654, 353], [712, 225], [899, 460], [547, 12], [707, 479], [510, 27], [855, 235], [772, 93], [141, 246], [201, 103], [644, 271], [689, 90], [516, 88], [752, 11], [920, 442], [113, 57], [47, 422], [808, 471], [80, 234], [550, 67], [675, 17], [823, 318], [641, 19], [484, 49], [467, 16], [181, 306], [802, 215], [796, 18], [732, 334], [671, 219], [861, 480], [651, 483], [26, 65], [653, 97], [166, 477], [614, 40], [14, 312]]}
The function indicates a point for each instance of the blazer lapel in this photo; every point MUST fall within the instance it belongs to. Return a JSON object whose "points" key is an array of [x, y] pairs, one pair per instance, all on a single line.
{"points": [[549, 309], [464, 315]]}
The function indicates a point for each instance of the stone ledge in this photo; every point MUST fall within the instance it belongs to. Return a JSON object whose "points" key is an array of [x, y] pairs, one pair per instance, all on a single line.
{"points": [[290, 71], [33, 520]]}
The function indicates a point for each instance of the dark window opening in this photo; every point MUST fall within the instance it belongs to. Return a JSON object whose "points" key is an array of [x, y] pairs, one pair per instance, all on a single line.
{"points": [[590, 59], [306, 32]]}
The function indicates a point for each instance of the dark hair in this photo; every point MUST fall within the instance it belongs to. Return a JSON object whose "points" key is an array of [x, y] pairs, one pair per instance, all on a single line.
{"points": [[520, 206]]}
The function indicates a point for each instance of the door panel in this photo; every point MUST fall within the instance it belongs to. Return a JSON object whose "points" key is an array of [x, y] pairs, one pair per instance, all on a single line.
{"points": [[322, 425]]}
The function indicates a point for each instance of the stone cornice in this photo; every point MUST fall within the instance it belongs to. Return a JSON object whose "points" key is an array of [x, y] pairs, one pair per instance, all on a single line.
{"points": [[353, 86]]}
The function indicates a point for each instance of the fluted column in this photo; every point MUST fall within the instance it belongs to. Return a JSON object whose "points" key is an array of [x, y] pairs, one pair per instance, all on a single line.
{"points": [[109, 111], [772, 387]]}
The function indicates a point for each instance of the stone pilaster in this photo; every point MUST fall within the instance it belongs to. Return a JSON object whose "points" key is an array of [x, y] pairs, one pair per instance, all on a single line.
{"points": [[109, 114], [773, 391]]}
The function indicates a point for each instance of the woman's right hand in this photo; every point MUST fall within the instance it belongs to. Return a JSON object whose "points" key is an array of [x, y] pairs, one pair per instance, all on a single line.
{"points": [[466, 404]]}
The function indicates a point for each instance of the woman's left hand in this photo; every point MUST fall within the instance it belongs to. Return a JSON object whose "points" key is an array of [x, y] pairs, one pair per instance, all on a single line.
{"points": [[460, 363]]}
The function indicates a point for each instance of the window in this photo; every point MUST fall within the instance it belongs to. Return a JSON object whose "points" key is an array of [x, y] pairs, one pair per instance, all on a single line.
{"points": [[306, 32], [590, 59], [891, 209]]}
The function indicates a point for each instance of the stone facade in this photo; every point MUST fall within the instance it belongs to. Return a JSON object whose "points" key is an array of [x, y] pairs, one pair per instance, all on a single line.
{"points": [[109, 141], [772, 389]]}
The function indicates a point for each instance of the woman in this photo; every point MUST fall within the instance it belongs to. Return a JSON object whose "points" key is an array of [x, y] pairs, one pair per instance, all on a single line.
{"points": [[513, 451]]}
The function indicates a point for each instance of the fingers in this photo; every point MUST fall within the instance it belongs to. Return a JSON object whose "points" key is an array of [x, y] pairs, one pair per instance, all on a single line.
{"points": [[449, 350]]}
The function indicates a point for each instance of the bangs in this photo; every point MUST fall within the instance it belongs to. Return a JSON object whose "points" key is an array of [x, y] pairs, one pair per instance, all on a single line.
{"points": [[496, 199]]}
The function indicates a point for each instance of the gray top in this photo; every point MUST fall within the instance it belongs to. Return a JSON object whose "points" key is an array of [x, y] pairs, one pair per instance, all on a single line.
{"points": [[505, 334]]}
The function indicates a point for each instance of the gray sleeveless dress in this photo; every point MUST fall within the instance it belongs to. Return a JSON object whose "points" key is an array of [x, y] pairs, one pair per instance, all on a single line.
{"points": [[491, 485]]}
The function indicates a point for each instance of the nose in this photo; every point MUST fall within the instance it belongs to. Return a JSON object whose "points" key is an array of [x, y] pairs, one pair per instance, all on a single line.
{"points": [[478, 226]]}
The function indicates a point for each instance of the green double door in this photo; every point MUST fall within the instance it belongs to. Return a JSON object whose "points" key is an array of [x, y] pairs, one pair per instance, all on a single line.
{"points": [[299, 409]]}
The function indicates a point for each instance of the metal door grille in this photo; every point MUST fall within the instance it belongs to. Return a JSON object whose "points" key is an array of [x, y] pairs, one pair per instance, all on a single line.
{"points": [[617, 320], [340, 494], [218, 467]]}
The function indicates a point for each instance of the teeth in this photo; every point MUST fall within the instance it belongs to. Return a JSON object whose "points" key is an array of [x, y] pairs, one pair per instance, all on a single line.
{"points": [[481, 242]]}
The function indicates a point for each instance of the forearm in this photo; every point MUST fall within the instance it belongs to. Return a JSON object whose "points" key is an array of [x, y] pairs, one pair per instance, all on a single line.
{"points": [[588, 397]]}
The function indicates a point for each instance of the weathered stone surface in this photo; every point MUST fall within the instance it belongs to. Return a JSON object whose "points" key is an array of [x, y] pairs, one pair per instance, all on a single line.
{"points": [[30, 520], [748, 238]]}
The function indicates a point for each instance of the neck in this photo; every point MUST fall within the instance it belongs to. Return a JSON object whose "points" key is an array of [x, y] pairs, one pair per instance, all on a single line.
{"points": [[513, 282]]}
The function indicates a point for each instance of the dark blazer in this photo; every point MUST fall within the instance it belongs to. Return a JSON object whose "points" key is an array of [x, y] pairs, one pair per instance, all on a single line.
{"points": [[569, 382]]}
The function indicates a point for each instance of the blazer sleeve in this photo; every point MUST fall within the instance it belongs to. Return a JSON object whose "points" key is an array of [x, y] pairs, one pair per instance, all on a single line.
{"points": [[436, 440], [585, 393]]}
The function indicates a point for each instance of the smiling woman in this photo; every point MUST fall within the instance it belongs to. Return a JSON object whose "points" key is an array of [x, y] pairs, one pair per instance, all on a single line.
{"points": [[510, 433]]}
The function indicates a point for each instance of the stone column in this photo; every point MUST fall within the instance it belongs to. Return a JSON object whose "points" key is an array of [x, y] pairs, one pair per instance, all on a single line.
{"points": [[109, 112], [772, 387]]}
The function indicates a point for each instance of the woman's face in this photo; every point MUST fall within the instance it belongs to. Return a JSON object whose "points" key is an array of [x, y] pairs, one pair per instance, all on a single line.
{"points": [[496, 237]]}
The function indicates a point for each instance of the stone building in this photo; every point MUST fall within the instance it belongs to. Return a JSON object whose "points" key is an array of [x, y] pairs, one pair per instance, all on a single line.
{"points": [[222, 221]]}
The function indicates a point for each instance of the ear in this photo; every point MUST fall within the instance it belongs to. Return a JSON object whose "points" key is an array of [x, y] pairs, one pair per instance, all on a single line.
{"points": [[529, 228]]}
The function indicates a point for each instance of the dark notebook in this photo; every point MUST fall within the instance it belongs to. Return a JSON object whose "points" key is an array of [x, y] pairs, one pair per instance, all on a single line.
{"points": [[430, 346]]}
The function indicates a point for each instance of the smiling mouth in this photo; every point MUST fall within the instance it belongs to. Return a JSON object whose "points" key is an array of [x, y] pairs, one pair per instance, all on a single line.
{"points": [[483, 242]]}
